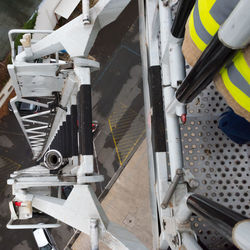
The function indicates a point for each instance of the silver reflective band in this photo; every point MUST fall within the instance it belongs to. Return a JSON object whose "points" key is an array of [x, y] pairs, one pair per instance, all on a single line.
{"points": [[222, 9], [199, 28], [237, 79]]}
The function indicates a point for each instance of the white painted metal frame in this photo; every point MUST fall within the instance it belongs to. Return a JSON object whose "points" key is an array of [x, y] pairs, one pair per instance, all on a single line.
{"points": [[161, 48], [77, 39], [34, 136], [5, 93], [147, 111]]}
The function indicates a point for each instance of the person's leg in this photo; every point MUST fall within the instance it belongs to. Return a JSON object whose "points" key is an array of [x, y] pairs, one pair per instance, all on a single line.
{"points": [[235, 127]]}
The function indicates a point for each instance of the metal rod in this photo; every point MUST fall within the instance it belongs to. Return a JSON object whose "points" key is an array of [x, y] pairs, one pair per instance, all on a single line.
{"points": [[210, 62], [94, 234], [85, 12], [184, 8], [36, 114], [172, 187], [31, 226], [221, 218], [171, 120]]}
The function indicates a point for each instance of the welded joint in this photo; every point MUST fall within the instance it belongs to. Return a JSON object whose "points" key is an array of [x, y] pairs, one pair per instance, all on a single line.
{"points": [[190, 179], [85, 62], [177, 108], [85, 171]]}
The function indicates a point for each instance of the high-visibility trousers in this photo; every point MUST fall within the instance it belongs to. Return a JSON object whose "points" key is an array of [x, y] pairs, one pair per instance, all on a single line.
{"points": [[233, 80]]}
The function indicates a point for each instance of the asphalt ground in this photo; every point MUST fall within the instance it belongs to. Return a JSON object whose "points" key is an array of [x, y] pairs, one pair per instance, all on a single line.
{"points": [[117, 106]]}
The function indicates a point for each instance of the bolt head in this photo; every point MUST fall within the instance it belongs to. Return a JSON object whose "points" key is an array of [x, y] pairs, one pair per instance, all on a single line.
{"points": [[194, 183]]}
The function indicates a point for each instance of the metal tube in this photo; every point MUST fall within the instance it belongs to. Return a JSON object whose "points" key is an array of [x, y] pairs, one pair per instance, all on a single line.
{"points": [[174, 139], [171, 120], [210, 62], [36, 114], [85, 12], [22, 31], [239, 29], [34, 102], [189, 241], [183, 213], [176, 62], [221, 218], [171, 188], [184, 8], [30, 226], [241, 232], [94, 234]]}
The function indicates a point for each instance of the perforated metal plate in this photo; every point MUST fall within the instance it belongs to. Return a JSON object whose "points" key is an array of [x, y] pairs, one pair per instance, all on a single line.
{"points": [[220, 165]]}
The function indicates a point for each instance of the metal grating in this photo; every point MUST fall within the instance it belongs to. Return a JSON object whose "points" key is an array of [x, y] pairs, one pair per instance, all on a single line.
{"points": [[220, 165]]}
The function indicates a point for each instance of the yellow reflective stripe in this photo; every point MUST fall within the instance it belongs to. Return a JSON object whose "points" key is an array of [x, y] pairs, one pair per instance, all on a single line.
{"points": [[242, 66], [198, 42], [207, 20], [242, 99]]}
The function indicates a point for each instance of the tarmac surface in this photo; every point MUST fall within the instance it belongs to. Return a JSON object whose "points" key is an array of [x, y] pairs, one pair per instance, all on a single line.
{"points": [[117, 106], [128, 202]]}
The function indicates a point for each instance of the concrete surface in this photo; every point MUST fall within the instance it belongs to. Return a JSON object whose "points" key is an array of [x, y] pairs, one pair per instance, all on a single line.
{"points": [[127, 203]]}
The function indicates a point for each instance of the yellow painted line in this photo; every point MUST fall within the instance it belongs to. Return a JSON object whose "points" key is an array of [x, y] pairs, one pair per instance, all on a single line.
{"points": [[124, 122], [15, 168], [11, 161], [125, 133], [121, 115], [117, 151], [130, 109], [134, 145], [121, 127], [135, 131], [127, 141], [10, 133]]}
